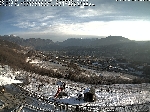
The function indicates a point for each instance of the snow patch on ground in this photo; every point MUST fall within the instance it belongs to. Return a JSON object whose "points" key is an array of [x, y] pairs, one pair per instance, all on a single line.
{"points": [[106, 95]]}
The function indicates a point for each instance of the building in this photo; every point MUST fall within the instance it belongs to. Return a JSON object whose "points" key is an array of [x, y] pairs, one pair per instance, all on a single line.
{"points": [[89, 95]]}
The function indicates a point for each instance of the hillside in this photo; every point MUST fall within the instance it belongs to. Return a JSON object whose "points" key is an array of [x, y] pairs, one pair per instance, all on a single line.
{"points": [[10, 55], [77, 42], [15, 56], [94, 42], [36, 43], [43, 93]]}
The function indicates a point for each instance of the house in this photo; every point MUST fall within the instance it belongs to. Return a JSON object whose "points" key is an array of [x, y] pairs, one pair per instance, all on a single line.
{"points": [[89, 95], [2, 89]]}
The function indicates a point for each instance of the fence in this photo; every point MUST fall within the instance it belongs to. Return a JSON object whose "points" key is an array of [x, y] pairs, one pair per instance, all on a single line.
{"points": [[63, 107], [78, 108]]}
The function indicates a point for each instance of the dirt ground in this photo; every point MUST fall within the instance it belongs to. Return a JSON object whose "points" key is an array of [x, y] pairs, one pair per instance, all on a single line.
{"points": [[12, 99]]}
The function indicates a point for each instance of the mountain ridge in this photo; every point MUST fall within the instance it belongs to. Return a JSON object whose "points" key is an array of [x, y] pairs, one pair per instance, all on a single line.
{"points": [[47, 43]]}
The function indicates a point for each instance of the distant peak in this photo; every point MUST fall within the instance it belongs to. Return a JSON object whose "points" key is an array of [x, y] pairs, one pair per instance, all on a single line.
{"points": [[13, 35], [117, 38]]}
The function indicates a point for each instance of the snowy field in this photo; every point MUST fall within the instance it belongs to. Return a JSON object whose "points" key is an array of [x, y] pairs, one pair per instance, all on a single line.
{"points": [[42, 89], [113, 95], [107, 96]]}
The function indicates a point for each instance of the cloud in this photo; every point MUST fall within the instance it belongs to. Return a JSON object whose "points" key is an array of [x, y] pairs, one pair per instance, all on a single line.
{"points": [[100, 10], [33, 13], [49, 18], [130, 29], [90, 13], [33, 17], [46, 18], [60, 31], [106, 18], [25, 24]]}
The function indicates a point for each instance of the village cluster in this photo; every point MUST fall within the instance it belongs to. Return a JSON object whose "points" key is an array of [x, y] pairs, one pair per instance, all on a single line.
{"points": [[89, 65]]}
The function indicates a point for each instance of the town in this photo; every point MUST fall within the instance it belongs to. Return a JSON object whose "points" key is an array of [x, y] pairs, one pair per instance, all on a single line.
{"points": [[89, 66]]}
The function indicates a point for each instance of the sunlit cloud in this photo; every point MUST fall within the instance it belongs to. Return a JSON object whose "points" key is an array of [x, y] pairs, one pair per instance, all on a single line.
{"points": [[134, 29], [47, 18]]}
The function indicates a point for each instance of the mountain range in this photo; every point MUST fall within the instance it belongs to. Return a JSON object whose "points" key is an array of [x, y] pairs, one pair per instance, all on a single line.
{"points": [[45, 44], [111, 46]]}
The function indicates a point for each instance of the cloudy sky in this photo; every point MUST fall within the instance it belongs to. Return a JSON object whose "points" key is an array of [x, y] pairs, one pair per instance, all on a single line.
{"points": [[130, 19]]}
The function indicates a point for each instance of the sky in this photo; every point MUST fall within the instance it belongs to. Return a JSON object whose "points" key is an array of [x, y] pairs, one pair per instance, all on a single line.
{"points": [[130, 19]]}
